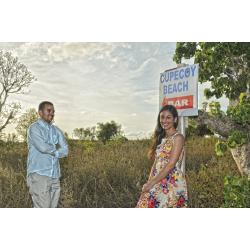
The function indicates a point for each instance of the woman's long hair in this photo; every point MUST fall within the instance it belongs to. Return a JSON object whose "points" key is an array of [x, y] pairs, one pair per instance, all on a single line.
{"points": [[159, 132]]}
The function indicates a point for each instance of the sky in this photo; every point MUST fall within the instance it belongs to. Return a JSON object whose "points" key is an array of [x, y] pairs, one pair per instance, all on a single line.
{"points": [[97, 82]]}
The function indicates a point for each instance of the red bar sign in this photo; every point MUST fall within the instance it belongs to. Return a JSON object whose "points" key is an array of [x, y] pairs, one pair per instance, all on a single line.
{"points": [[182, 102]]}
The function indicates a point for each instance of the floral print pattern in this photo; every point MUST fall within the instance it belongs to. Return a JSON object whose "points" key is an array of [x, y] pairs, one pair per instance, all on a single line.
{"points": [[172, 190]]}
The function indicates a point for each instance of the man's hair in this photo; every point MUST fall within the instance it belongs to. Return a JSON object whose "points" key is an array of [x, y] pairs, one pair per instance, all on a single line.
{"points": [[43, 104]]}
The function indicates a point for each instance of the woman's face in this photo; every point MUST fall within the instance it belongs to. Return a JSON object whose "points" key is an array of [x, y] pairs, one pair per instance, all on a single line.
{"points": [[166, 120]]}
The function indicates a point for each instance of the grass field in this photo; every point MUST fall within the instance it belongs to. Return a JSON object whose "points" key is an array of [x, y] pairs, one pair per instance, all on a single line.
{"points": [[111, 175]]}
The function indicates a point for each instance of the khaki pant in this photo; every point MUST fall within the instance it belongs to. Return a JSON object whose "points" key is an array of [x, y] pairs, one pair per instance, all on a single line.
{"points": [[44, 190]]}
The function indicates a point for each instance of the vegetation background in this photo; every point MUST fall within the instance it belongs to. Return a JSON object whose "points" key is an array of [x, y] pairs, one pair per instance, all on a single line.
{"points": [[112, 174]]}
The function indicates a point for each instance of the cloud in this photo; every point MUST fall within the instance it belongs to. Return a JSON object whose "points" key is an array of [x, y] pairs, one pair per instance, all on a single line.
{"points": [[96, 82]]}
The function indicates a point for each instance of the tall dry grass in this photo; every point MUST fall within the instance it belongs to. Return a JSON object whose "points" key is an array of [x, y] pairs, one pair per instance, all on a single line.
{"points": [[111, 175]]}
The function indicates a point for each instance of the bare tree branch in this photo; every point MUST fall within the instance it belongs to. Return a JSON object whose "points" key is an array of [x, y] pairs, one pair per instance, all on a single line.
{"points": [[14, 78], [10, 117]]}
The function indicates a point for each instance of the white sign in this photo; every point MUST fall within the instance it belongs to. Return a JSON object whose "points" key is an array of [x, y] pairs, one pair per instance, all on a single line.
{"points": [[179, 87]]}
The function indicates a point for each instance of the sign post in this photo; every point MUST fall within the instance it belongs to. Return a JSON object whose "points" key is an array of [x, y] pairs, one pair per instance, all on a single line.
{"points": [[182, 127], [179, 87]]}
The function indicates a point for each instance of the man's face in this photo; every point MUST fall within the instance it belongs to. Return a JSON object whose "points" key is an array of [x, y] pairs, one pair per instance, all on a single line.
{"points": [[48, 113]]}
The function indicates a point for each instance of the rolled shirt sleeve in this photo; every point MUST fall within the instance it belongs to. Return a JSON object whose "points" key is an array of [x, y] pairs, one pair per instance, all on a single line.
{"points": [[63, 150]]}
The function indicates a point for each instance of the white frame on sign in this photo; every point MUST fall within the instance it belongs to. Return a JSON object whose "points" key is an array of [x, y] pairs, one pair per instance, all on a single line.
{"points": [[194, 91]]}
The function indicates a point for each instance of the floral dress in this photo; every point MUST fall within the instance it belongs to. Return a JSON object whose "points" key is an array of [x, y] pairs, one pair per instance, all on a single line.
{"points": [[170, 191]]}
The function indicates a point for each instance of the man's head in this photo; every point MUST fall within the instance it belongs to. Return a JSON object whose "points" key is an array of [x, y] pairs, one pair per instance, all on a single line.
{"points": [[46, 111]]}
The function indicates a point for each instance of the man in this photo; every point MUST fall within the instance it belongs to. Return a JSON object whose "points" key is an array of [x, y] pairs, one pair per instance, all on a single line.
{"points": [[46, 145]]}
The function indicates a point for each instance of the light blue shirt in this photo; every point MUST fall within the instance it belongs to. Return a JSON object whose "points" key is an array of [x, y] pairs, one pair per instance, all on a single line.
{"points": [[43, 156]]}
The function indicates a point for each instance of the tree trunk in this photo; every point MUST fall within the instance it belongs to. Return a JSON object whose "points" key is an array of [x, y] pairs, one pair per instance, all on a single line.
{"points": [[223, 126], [241, 156]]}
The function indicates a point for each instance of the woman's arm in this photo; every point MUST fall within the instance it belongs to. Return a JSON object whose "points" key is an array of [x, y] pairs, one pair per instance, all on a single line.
{"points": [[152, 169], [174, 157]]}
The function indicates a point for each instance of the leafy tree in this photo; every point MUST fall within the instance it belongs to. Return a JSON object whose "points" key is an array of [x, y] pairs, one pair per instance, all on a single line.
{"points": [[25, 121], [66, 135], [79, 133], [197, 129], [105, 131], [227, 67], [12, 137], [85, 133], [236, 192], [14, 78], [90, 133]]}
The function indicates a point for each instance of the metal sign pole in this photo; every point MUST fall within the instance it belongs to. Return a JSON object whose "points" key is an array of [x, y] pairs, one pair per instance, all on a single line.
{"points": [[182, 128], [183, 131]]}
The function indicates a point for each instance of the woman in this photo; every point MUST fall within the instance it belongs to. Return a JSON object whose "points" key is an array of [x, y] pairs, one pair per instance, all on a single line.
{"points": [[166, 186]]}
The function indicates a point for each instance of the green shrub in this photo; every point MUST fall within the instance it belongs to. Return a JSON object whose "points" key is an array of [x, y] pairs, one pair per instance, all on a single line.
{"points": [[236, 191]]}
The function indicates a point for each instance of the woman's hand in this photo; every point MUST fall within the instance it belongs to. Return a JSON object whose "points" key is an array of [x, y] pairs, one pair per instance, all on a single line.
{"points": [[146, 187]]}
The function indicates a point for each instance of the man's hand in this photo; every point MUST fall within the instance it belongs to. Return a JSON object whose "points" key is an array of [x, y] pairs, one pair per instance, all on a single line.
{"points": [[52, 154]]}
